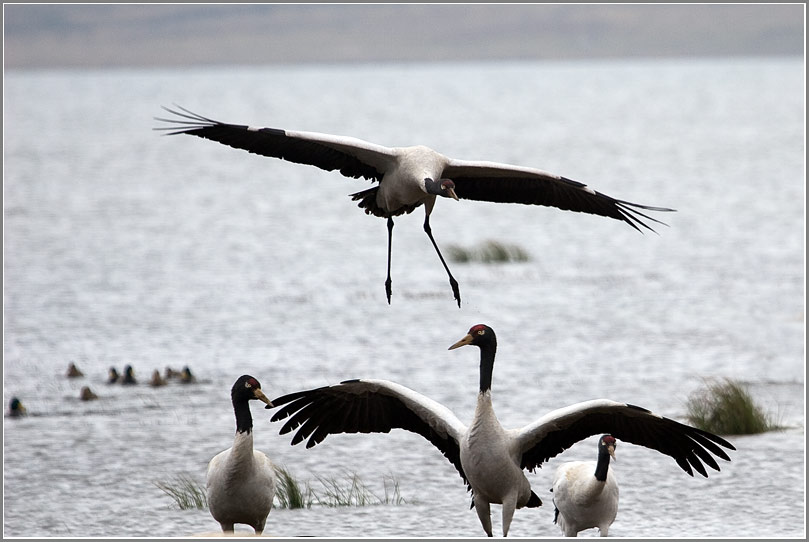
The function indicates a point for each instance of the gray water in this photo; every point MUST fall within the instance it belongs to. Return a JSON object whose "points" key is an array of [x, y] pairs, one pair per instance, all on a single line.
{"points": [[125, 247]]}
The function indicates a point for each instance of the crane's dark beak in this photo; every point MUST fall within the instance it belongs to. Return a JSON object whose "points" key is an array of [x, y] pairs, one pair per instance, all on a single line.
{"points": [[263, 398], [463, 342], [452, 194]]}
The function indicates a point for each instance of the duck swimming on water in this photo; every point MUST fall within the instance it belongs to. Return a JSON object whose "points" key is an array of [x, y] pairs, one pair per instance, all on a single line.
{"points": [[157, 380], [86, 394], [186, 377], [16, 408], [128, 377]]}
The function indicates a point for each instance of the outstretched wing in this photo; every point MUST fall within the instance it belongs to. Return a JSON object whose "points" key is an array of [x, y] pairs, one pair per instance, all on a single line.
{"points": [[352, 157], [558, 430], [370, 406], [503, 183]]}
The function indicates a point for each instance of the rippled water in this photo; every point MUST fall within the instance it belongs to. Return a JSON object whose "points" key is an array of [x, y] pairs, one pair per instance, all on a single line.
{"points": [[124, 247]]}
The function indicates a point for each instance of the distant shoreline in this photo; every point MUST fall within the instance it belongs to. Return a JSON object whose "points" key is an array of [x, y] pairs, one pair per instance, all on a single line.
{"points": [[178, 35], [389, 63]]}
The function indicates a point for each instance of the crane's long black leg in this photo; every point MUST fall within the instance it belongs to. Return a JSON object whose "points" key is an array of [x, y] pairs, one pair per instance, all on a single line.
{"points": [[452, 282], [390, 240]]}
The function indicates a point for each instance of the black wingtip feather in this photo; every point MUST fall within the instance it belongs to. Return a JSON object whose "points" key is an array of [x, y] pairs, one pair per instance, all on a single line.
{"points": [[629, 212], [187, 121]]}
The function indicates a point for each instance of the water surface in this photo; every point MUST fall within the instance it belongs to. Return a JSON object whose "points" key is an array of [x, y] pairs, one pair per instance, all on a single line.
{"points": [[125, 247]]}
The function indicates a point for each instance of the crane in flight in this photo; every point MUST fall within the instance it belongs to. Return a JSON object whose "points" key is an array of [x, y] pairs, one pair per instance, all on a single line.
{"points": [[408, 177]]}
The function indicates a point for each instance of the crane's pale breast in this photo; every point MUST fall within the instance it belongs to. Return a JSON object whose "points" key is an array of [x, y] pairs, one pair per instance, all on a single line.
{"points": [[487, 459], [583, 501], [403, 185]]}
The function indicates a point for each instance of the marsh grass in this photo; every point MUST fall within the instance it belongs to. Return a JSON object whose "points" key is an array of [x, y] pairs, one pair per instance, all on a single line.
{"points": [[488, 252], [725, 407], [290, 493], [392, 493], [353, 492], [186, 492], [346, 491]]}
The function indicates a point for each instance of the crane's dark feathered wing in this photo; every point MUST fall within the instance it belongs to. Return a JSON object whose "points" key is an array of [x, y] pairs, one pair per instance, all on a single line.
{"points": [[355, 158], [350, 156], [503, 183], [369, 406], [558, 430]]}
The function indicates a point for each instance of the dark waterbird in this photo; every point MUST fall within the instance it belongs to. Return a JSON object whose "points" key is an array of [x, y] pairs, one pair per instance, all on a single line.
{"points": [[16, 408], [128, 378], [489, 458], [408, 177]]}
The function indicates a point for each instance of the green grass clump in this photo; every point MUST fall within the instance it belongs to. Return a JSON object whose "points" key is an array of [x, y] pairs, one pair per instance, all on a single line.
{"points": [[337, 494], [392, 493], [349, 491], [356, 493], [726, 408], [289, 493], [186, 492], [488, 252]]}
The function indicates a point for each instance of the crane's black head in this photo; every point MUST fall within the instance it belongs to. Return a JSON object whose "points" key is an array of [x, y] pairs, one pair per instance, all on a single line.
{"points": [[247, 388], [607, 444], [483, 337], [606, 450], [442, 187], [479, 335]]}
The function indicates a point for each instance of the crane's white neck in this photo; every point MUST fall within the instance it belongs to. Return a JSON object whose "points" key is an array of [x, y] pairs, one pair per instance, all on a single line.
{"points": [[242, 451]]}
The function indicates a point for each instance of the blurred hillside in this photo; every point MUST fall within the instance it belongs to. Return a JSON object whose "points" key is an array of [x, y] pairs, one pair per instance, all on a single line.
{"points": [[54, 35]]}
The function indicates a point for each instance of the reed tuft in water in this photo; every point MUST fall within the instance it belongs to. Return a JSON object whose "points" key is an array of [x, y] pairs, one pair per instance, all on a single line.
{"points": [[392, 493], [726, 408], [488, 252], [289, 493], [336, 492], [355, 493], [186, 492]]}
